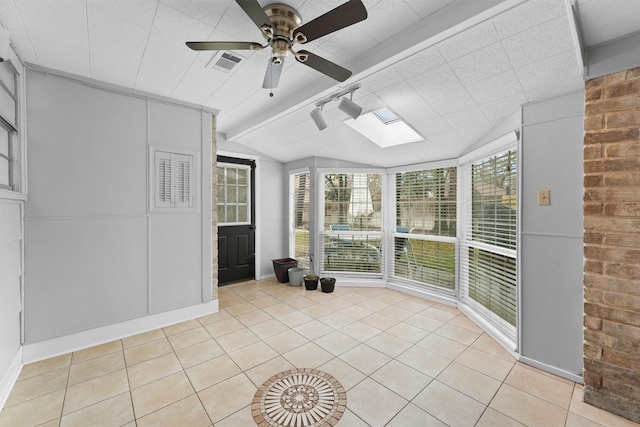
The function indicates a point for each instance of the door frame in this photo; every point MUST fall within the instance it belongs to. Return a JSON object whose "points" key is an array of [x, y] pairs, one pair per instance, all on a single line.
{"points": [[256, 219]]}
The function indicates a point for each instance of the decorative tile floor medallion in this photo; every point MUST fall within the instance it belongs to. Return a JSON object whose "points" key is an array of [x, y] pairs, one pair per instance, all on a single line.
{"points": [[300, 397]]}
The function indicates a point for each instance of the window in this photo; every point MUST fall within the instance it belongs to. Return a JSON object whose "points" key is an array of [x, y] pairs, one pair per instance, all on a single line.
{"points": [[9, 142], [299, 185], [352, 223], [425, 236], [489, 256], [234, 194], [174, 180]]}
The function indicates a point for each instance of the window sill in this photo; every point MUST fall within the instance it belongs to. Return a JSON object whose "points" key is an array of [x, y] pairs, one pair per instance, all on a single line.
{"points": [[12, 195]]}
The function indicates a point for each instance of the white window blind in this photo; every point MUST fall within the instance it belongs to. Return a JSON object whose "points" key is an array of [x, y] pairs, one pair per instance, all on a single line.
{"points": [[299, 194], [488, 274], [425, 238], [173, 180], [352, 223]]}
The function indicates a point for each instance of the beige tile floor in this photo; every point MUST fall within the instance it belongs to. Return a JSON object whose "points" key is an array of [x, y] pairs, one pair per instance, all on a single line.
{"points": [[404, 361]]}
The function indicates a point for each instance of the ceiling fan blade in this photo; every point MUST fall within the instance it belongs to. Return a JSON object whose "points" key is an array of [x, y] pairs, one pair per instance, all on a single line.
{"points": [[253, 9], [272, 76], [342, 16], [323, 65], [224, 45]]}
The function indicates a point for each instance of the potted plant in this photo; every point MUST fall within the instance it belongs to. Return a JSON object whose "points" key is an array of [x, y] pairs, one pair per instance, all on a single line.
{"points": [[327, 284], [311, 282]]}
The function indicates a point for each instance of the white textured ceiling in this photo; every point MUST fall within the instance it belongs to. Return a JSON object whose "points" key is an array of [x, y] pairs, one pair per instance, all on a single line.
{"points": [[452, 68]]}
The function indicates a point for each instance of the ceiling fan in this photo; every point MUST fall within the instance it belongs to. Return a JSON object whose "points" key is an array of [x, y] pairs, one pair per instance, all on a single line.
{"points": [[281, 25]]}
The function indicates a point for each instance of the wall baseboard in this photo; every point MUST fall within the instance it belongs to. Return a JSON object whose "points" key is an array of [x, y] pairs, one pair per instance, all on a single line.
{"points": [[57, 346], [8, 380], [553, 370]]}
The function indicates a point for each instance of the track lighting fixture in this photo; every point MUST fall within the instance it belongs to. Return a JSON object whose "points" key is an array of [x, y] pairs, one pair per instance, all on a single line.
{"points": [[318, 118], [351, 108], [346, 105]]}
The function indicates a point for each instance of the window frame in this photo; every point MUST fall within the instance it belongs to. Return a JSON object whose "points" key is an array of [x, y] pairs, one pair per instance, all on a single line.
{"points": [[433, 289], [249, 206], [507, 334], [16, 188], [303, 261], [321, 233]]}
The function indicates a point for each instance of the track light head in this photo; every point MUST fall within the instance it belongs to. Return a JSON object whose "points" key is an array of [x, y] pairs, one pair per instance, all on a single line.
{"points": [[351, 108], [318, 118]]}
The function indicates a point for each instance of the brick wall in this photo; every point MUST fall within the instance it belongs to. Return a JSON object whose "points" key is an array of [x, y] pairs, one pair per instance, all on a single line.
{"points": [[612, 243]]}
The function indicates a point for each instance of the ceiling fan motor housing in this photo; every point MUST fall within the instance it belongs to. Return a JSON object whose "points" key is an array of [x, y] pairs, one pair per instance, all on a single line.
{"points": [[285, 20]]}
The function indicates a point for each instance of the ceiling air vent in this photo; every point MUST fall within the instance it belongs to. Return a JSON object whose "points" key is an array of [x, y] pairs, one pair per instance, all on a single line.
{"points": [[225, 62]]}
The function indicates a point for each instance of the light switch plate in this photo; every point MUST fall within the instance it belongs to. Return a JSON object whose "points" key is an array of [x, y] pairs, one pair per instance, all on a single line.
{"points": [[544, 197]]}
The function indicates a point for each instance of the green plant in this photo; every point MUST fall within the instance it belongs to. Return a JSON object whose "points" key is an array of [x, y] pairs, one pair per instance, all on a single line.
{"points": [[311, 276]]}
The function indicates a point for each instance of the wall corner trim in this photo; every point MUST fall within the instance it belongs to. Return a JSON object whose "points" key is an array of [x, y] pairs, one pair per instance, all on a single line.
{"points": [[62, 345]]}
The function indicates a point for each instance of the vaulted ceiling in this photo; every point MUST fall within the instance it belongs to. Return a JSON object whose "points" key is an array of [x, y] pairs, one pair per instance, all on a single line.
{"points": [[453, 69]]}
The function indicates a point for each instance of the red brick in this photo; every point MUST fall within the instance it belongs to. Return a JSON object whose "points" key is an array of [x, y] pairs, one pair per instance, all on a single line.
{"points": [[617, 255], [621, 239], [611, 105], [592, 152], [593, 94], [592, 351], [621, 359], [593, 295], [594, 166], [630, 346], [611, 135], [611, 224], [594, 195], [599, 311], [594, 122], [620, 120], [624, 88], [591, 237], [622, 301], [634, 73], [593, 180], [622, 271], [594, 83], [592, 378], [593, 267], [593, 323], [615, 329], [622, 179], [622, 209], [600, 338], [621, 194], [615, 78], [612, 284], [621, 388], [593, 208], [623, 149]]}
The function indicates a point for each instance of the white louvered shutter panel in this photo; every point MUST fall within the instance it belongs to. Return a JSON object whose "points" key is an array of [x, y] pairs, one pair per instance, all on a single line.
{"points": [[163, 180], [183, 181]]}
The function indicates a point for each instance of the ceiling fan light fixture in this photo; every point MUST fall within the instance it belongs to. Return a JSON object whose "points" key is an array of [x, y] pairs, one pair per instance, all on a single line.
{"points": [[350, 108], [319, 119]]}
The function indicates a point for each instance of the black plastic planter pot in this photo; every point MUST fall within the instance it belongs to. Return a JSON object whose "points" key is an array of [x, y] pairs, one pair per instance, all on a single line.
{"points": [[311, 284], [327, 284]]}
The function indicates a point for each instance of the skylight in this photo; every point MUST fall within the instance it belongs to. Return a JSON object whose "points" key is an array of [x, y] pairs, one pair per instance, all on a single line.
{"points": [[385, 128]]}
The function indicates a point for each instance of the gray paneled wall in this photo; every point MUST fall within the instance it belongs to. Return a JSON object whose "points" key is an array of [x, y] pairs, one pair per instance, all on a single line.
{"points": [[94, 252], [551, 246]]}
